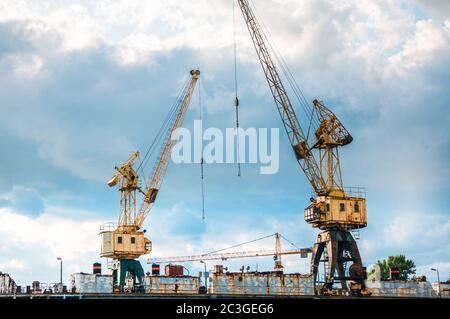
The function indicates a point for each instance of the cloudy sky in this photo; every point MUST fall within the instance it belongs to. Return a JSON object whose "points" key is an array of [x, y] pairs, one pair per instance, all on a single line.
{"points": [[84, 83]]}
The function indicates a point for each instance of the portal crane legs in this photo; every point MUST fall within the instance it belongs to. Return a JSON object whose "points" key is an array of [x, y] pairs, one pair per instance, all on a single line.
{"points": [[337, 248]]}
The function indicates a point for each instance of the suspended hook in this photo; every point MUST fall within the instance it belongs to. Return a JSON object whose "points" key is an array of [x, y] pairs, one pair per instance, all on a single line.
{"points": [[236, 100]]}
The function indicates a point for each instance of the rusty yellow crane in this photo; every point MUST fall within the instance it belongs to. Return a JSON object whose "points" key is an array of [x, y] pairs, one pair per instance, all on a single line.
{"points": [[125, 241], [335, 210]]}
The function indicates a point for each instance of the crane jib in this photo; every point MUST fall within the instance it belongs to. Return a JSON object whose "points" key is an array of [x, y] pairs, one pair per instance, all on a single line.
{"points": [[162, 163], [290, 122]]}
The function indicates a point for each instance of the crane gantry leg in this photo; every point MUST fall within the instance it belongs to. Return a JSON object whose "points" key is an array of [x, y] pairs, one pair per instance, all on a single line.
{"points": [[341, 249], [128, 268]]}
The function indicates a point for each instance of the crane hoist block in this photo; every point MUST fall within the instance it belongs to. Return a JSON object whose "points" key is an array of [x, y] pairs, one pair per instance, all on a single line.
{"points": [[150, 195], [301, 150]]}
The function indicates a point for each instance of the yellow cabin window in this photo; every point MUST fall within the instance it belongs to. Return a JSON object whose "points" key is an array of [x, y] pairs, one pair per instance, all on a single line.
{"points": [[119, 239], [342, 207], [356, 207], [133, 240], [328, 207]]}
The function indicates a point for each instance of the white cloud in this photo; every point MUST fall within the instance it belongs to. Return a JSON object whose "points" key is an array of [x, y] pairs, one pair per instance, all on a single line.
{"points": [[368, 45], [26, 66], [59, 235], [34, 243], [429, 39], [421, 236], [443, 267], [364, 29], [24, 199], [82, 26], [136, 49], [11, 265], [438, 8], [76, 26], [413, 229]]}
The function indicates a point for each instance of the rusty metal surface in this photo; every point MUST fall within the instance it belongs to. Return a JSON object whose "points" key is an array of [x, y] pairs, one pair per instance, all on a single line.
{"points": [[91, 284], [257, 283], [174, 270], [397, 288], [171, 285], [443, 288]]}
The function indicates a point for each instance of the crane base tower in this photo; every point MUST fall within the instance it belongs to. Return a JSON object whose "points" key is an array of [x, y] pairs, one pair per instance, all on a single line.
{"points": [[127, 269], [335, 249]]}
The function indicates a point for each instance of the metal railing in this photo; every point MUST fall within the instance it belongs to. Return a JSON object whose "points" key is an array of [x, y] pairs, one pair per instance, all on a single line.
{"points": [[108, 227], [350, 191], [353, 191]]}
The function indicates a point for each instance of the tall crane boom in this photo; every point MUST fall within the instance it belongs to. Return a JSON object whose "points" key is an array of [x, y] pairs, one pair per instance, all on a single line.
{"points": [[160, 168], [291, 124]]}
